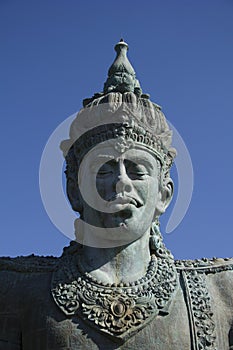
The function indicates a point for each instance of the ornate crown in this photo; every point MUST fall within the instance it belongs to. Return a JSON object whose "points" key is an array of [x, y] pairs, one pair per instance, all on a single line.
{"points": [[120, 112]]}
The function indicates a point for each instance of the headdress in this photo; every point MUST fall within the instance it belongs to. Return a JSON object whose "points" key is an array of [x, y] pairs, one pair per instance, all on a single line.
{"points": [[120, 112]]}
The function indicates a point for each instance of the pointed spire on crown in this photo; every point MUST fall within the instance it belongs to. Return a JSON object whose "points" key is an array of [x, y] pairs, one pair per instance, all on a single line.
{"points": [[121, 75], [121, 63]]}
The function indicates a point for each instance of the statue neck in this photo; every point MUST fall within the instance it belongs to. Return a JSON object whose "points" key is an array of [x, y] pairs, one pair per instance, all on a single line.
{"points": [[124, 264]]}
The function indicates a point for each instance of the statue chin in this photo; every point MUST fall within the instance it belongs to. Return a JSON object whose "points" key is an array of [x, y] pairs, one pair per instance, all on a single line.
{"points": [[111, 230]]}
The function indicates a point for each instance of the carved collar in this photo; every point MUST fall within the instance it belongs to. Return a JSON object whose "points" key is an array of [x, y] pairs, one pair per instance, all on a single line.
{"points": [[116, 310]]}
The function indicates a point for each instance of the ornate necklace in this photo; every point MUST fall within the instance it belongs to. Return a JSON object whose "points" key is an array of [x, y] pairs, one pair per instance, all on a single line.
{"points": [[116, 310]]}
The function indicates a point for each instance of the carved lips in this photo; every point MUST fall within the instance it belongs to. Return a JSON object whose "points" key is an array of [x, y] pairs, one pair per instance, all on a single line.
{"points": [[120, 200]]}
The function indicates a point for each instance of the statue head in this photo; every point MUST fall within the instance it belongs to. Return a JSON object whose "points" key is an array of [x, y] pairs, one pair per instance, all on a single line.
{"points": [[119, 156]]}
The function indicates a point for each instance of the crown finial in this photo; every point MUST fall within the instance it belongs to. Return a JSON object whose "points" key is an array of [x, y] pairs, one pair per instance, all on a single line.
{"points": [[121, 75]]}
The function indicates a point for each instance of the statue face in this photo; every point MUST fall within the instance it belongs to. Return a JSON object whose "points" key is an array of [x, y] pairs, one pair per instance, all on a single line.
{"points": [[129, 185], [120, 190]]}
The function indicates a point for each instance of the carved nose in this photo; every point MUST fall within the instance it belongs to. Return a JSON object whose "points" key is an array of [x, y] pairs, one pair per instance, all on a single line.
{"points": [[124, 184]]}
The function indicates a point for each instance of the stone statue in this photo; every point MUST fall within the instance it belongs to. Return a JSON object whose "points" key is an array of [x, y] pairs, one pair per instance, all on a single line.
{"points": [[117, 286]]}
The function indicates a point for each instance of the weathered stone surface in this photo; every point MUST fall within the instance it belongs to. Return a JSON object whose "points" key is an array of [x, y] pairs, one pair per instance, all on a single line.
{"points": [[118, 287], [200, 314]]}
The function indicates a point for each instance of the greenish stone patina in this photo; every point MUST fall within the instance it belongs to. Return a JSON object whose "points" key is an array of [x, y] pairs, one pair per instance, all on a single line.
{"points": [[121, 75], [118, 286]]}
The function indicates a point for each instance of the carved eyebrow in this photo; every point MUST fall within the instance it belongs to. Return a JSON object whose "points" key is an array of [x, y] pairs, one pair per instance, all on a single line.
{"points": [[100, 160], [107, 157], [144, 162]]}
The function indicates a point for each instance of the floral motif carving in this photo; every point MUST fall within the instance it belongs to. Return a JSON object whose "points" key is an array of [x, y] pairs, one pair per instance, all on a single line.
{"points": [[121, 310], [122, 145], [201, 315], [206, 265]]}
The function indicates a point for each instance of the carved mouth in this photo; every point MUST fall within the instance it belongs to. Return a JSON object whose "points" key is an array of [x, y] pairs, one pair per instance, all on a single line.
{"points": [[124, 200]]}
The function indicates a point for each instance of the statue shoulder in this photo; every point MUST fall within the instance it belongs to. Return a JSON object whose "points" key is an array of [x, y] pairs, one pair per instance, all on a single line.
{"points": [[216, 273], [21, 277], [205, 265], [31, 263], [34, 263]]}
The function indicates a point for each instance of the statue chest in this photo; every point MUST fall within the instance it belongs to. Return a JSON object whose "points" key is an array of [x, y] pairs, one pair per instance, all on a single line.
{"points": [[169, 332], [173, 312], [50, 329], [197, 317]]}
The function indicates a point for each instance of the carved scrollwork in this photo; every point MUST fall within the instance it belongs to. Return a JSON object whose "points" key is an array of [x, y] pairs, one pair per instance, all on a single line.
{"points": [[199, 306], [121, 310]]}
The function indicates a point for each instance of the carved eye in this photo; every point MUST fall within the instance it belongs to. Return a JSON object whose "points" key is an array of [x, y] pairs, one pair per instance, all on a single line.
{"points": [[137, 171], [105, 171]]}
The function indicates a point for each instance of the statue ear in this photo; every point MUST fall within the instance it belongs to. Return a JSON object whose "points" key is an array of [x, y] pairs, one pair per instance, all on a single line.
{"points": [[165, 197], [74, 195]]}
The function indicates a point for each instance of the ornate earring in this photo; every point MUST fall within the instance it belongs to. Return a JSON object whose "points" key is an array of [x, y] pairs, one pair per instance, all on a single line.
{"points": [[157, 246], [155, 236]]}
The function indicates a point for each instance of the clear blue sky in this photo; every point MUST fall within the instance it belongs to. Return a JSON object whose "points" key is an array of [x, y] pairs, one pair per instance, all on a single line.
{"points": [[55, 53]]}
